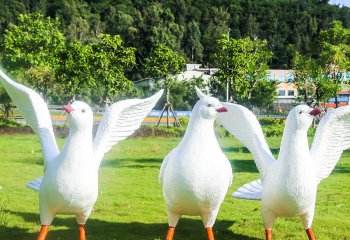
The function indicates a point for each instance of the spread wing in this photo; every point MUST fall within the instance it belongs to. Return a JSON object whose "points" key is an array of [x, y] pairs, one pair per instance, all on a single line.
{"points": [[35, 112], [332, 137], [35, 184], [251, 191], [120, 120], [243, 125]]}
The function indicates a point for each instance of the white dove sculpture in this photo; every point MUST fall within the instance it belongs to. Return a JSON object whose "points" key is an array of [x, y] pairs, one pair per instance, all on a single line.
{"points": [[70, 181], [288, 185], [196, 174]]}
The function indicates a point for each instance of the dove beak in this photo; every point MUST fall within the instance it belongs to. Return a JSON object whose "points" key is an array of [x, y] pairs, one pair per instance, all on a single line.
{"points": [[315, 112], [222, 109], [68, 108]]}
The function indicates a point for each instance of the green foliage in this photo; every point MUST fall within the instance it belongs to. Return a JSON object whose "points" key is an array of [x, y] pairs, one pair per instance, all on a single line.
{"points": [[160, 131], [184, 95], [7, 122], [272, 127], [313, 84], [318, 78], [34, 45], [264, 93], [6, 102], [162, 65], [184, 121], [243, 64], [221, 132], [109, 60], [159, 27], [273, 130], [271, 121], [74, 72], [190, 27], [334, 53]]}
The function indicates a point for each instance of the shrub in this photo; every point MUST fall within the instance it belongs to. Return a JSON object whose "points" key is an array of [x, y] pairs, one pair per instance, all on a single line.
{"points": [[184, 121], [271, 121], [8, 122], [273, 130], [160, 131], [221, 132]]}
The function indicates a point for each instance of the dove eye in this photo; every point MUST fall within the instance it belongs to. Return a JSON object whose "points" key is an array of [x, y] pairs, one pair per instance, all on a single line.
{"points": [[301, 111], [209, 105], [83, 110]]}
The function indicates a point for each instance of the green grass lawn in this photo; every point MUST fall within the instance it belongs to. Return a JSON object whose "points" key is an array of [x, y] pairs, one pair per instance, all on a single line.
{"points": [[131, 206]]}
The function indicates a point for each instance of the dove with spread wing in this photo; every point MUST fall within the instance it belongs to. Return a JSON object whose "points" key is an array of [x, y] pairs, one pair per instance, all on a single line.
{"points": [[288, 185], [70, 181]]}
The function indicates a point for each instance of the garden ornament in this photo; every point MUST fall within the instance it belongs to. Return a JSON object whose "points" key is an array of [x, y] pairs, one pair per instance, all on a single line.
{"points": [[196, 174], [288, 185], [70, 181]]}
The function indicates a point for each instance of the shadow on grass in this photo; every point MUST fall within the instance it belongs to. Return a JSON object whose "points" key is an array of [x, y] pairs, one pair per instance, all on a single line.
{"points": [[243, 166], [132, 163], [246, 150], [187, 229], [341, 169]]}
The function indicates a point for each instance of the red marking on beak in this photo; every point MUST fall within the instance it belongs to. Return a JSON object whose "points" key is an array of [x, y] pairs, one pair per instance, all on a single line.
{"points": [[222, 109], [315, 112], [68, 108]]}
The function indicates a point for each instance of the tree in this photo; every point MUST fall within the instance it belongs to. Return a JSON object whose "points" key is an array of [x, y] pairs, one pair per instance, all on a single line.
{"points": [[162, 65], [193, 44], [109, 60], [34, 46], [313, 84], [184, 95], [243, 64], [334, 45], [6, 102], [74, 74], [264, 93], [158, 26]]}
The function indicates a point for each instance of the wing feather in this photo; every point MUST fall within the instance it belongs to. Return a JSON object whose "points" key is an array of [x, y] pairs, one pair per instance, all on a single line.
{"points": [[332, 137], [251, 191], [119, 121], [35, 184], [243, 125], [35, 112]]}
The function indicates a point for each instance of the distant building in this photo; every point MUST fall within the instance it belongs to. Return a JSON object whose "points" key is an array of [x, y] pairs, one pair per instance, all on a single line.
{"points": [[197, 71], [193, 70], [344, 94], [286, 91]]}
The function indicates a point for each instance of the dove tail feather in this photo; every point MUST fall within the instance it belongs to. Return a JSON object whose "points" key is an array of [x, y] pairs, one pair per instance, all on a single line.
{"points": [[250, 191], [35, 184]]}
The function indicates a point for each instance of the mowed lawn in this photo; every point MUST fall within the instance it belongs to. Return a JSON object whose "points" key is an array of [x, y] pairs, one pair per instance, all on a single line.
{"points": [[131, 206]]}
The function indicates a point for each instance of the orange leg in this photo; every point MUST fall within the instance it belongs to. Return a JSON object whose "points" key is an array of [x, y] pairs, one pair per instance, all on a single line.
{"points": [[170, 234], [268, 233], [210, 233], [43, 232], [310, 234], [82, 232]]}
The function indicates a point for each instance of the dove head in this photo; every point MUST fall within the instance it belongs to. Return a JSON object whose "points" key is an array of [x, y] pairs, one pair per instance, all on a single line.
{"points": [[208, 107], [80, 115], [301, 116]]}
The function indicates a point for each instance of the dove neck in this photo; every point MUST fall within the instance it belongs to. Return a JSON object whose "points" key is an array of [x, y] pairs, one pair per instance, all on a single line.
{"points": [[200, 128], [294, 145], [79, 134], [77, 141]]}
